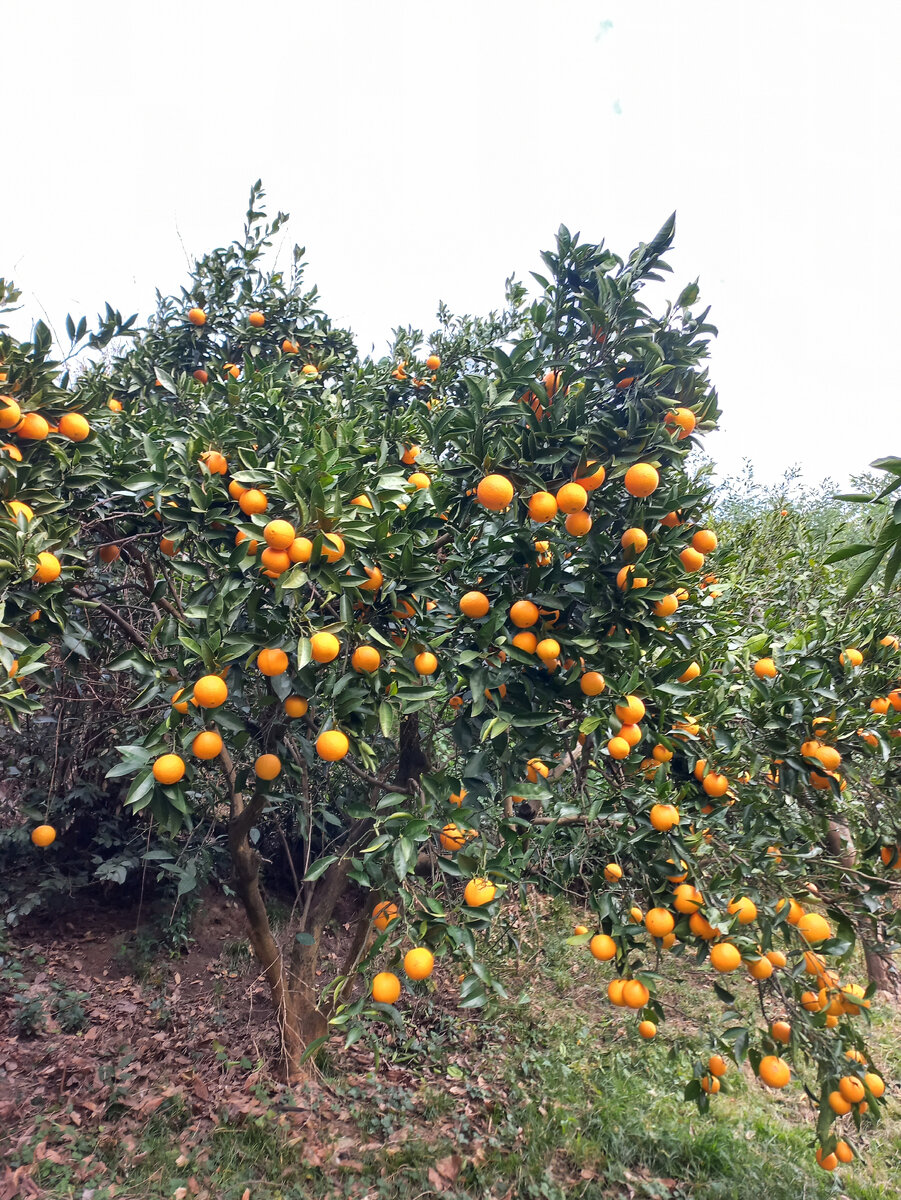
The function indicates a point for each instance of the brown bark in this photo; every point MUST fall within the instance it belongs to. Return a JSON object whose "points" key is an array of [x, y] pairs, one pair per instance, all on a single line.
{"points": [[302, 1017], [881, 969], [246, 862]]}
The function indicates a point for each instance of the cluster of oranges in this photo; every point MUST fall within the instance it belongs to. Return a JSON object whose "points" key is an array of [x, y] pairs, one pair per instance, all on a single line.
{"points": [[419, 962], [33, 427]]}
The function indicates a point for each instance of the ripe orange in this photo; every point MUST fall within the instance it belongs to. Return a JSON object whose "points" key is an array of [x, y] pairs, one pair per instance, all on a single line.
{"points": [[33, 428], [495, 492], [13, 451], [296, 706], [593, 479], [828, 756], [781, 1031], [843, 1151], [114, 405], [197, 316], [74, 427], [814, 928], [827, 1161], [664, 817], [523, 614], [332, 745], [691, 559], [666, 606], [851, 1089], [692, 671], [210, 691], [591, 683], [452, 838], [875, 1084], [525, 641], [301, 550], [682, 419], [777, 958], [267, 766], [375, 576], [385, 988], [715, 785], [474, 604], [384, 913], [109, 553], [687, 899], [19, 508], [850, 656], [571, 498], [618, 748], [272, 662], [419, 963], [275, 562], [425, 663], [641, 480], [631, 710], [603, 947], [659, 922], [774, 1072], [725, 957], [168, 769], [332, 547], [705, 541], [536, 767], [613, 872], [760, 968], [215, 463], [626, 578], [765, 668], [744, 908], [43, 835], [289, 347], [206, 745], [710, 1084], [325, 647], [256, 319], [647, 1029], [578, 524], [279, 534], [635, 994], [634, 539], [661, 754], [795, 911], [48, 568], [548, 649], [702, 928], [717, 1066], [542, 507], [419, 480], [615, 992], [10, 413], [433, 362], [167, 547], [253, 501], [366, 658]]}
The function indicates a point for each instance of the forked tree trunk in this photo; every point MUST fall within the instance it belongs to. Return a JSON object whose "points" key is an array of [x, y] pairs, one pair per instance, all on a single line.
{"points": [[301, 1016]]}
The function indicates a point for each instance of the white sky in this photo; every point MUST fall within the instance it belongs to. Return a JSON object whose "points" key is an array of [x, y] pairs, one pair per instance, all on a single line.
{"points": [[425, 151]]}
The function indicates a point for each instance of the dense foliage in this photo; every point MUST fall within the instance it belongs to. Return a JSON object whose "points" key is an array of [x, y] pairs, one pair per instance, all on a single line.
{"points": [[443, 624]]}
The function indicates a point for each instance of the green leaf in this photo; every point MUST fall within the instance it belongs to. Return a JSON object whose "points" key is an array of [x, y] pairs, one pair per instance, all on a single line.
{"points": [[319, 868]]}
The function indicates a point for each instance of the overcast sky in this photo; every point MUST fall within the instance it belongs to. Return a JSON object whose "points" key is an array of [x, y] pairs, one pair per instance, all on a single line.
{"points": [[426, 151]]}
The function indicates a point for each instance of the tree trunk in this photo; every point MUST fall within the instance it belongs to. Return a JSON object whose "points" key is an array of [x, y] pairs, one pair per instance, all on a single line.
{"points": [[301, 1015], [881, 969]]}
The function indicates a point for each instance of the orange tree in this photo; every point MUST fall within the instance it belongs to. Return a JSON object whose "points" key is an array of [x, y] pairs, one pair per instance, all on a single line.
{"points": [[438, 621]]}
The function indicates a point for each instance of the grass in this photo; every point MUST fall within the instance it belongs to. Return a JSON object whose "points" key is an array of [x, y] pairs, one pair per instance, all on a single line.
{"points": [[555, 1100]]}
